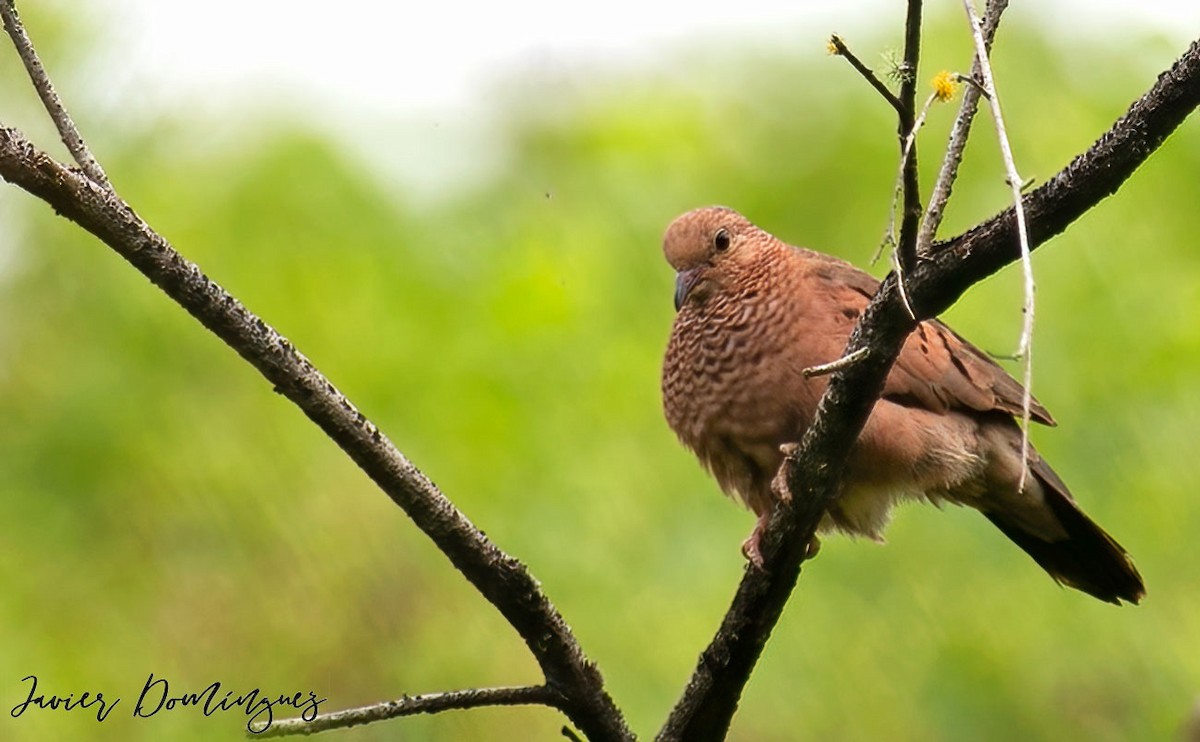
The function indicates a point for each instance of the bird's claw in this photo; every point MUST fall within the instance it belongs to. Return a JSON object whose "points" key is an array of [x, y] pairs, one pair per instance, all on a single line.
{"points": [[753, 553], [779, 485], [750, 547]]}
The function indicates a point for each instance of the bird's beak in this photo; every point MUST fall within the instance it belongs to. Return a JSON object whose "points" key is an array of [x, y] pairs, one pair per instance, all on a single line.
{"points": [[684, 282]]}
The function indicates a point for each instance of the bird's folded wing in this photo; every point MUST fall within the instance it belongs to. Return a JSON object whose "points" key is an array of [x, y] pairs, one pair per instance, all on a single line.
{"points": [[942, 371], [937, 369]]}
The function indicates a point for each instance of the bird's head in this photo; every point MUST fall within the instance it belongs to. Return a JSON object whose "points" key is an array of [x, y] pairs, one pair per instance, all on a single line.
{"points": [[705, 247]]}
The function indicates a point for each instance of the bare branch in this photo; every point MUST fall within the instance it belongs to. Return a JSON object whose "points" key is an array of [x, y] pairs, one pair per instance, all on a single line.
{"points": [[712, 694], [827, 368], [1025, 348], [1087, 180], [906, 146], [89, 200], [911, 218], [902, 185], [430, 703], [500, 578], [959, 133], [840, 48], [570, 734], [45, 90]]}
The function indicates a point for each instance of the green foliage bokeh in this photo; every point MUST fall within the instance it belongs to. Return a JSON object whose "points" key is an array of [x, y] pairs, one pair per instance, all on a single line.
{"points": [[166, 512]]}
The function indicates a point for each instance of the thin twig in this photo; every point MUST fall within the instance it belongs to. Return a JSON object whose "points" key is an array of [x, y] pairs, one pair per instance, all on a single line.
{"points": [[1025, 347], [429, 703], [889, 232], [839, 364], [911, 218], [45, 90], [899, 186], [959, 133], [570, 734], [901, 284], [904, 252], [968, 79], [842, 50]]}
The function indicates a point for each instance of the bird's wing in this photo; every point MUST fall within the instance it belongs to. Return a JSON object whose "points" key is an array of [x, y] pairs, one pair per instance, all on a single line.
{"points": [[941, 371], [937, 369]]}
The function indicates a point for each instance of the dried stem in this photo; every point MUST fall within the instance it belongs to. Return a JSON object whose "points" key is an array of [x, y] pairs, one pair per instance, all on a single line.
{"points": [[827, 368], [45, 89], [843, 51], [959, 133], [904, 252], [570, 734], [911, 217], [1025, 348], [430, 703], [901, 186]]}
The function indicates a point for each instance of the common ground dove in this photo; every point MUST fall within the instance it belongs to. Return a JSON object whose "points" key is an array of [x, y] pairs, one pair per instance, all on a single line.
{"points": [[753, 313]]}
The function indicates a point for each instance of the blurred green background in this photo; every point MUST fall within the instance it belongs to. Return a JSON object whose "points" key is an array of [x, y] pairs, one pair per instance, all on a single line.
{"points": [[165, 512]]}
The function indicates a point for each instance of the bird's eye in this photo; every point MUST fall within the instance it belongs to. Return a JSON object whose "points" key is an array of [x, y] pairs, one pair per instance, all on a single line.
{"points": [[721, 240]]}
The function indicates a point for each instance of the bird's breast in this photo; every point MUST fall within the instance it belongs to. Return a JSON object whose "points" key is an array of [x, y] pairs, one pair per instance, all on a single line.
{"points": [[729, 374]]}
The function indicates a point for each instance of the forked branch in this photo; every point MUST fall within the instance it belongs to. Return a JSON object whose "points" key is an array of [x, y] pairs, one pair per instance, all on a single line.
{"points": [[959, 133], [430, 703], [45, 89]]}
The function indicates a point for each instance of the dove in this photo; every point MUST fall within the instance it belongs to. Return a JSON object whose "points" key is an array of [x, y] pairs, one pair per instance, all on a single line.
{"points": [[752, 313]]}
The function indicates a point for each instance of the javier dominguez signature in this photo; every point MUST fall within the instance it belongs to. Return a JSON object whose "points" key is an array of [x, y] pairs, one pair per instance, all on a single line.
{"points": [[157, 696]]}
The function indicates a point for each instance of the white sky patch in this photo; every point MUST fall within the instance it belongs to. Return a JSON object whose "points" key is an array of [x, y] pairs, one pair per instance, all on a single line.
{"points": [[420, 72], [421, 55]]}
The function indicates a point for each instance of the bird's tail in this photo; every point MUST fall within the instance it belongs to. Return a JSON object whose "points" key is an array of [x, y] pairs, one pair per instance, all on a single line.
{"points": [[1087, 559]]}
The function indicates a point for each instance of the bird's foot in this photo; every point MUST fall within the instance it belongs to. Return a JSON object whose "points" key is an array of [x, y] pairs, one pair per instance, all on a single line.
{"points": [[750, 548], [752, 552], [779, 485]]}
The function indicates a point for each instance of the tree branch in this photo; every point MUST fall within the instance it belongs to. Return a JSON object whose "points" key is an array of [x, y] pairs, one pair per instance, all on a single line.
{"points": [[814, 472], [500, 578], [1025, 348], [911, 218], [959, 133], [838, 45], [45, 89], [89, 200], [1088, 179], [429, 703]]}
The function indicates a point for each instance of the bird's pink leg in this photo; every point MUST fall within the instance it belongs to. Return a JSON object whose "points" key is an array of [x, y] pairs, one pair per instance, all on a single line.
{"points": [[750, 548], [779, 487]]}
